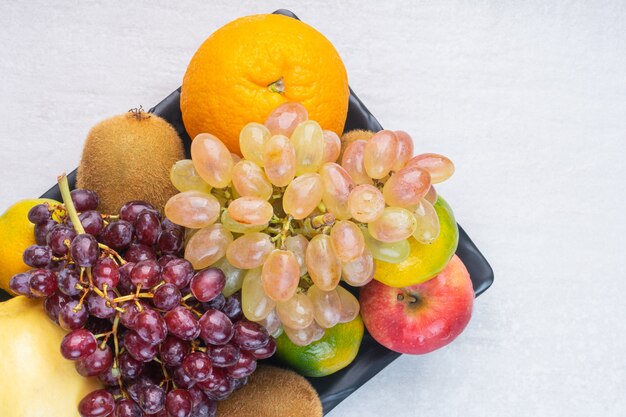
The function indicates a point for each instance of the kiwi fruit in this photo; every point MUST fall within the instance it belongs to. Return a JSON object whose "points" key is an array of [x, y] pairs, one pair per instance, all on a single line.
{"points": [[273, 392], [128, 157]]}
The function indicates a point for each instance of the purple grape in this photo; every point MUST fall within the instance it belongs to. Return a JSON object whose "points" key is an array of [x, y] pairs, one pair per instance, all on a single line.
{"points": [[171, 241], [92, 222], [137, 252], [179, 403], [42, 282], [57, 265], [37, 256], [182, 323], [78, 344], [70, 319], [129, 317], [130, 368], [42, 229], [39, 213], [232, 308], [182, 378], [117, 235], [132, 209], [139, 348], [197, 365], [84, 199], [20, 284], [178, 272], [166, 297], [174, 350], [146, 273], [244, 367], [266, 351], [147, 227], [215, 327], [98, 403], [85, 250], [105, 272], [202, 406], [109, 377], [59, 238], [125, 285], [221, 391], [100, 307], [96, 363], [239, 382], [217, 303], [223, 356], [165, 259], [250, 335], [151, 399], [207, 284], [127, 408], [53, 304], [67, 279], [150, 326]]}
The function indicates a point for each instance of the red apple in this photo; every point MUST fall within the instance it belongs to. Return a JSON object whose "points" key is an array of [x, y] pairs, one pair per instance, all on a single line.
{"points": [[423, 317]]}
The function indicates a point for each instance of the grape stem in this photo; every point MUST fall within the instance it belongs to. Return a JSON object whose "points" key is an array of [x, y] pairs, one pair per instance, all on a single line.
{"points": [[64, 187]]}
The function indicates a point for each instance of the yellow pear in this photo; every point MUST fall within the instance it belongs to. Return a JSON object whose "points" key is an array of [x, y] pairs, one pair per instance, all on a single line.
{"points": [[36, 381]]}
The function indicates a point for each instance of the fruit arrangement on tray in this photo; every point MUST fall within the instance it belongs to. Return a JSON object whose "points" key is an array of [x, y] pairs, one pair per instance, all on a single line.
{"points": [[167, 275]]}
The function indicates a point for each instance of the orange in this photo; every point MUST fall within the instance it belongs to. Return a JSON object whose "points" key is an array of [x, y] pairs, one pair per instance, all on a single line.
{"points": [[16, 234], [254, 64]]}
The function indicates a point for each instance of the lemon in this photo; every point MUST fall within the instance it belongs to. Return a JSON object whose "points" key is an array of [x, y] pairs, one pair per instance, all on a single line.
{"points": [[36, 380], [16, 234], [333, 352], [424, 261]]}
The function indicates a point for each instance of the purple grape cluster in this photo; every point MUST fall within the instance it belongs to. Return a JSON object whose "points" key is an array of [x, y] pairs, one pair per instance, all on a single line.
{"points": [[161, 336]]}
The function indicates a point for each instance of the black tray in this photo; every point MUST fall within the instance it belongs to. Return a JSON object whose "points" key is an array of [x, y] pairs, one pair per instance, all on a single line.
{"points": [[372, 357]]}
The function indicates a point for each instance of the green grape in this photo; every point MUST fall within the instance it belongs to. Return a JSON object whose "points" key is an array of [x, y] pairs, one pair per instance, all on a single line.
{"points": [[185, 178], [393, 253]]}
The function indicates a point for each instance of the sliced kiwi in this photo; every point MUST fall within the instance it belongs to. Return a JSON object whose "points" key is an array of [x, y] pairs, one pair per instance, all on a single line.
{"points": [[273, 392], [129, 157]]}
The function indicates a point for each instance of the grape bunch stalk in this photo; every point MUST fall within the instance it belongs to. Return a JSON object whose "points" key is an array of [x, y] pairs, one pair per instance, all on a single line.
{"points": [[160, 335], [287, 222]]}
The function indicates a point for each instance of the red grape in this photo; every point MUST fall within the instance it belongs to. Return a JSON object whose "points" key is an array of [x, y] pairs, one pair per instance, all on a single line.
{"points": [[106, 271], [37, 256], [132, 209], [215, 327], [41, 231], [59, 237], [130, 367], [139, 348], [171, 241], [137, 252], [197, 365], [146, 273], [147, 227], [96, 363], [39, 213], [20, 284], [207, 284], [174, 350], [266, 351], [117, 235], [244, 367], [182, 323], [54, 303], [67, 278], [84, 250], [182, 378], [42, 282], [166, 297], [100, 307], [84, 199], [78, 344], [127, 408], [179, 403], [151, 398], [249, 335], [232, 307], [178, 272], [150, 326], [223, 356], [70, 319], [92, 222], [97, 404]]}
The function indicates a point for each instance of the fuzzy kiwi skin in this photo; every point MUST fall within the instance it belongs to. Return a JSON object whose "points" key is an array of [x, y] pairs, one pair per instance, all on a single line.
{"points": [[273, 392], [129, 157]]}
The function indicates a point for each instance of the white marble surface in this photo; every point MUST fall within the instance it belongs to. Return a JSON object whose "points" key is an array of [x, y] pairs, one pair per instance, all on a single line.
{"points": [[528, 98]]}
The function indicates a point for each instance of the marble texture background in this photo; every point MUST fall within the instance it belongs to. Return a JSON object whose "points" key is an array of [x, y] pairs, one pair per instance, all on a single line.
{"points": [[529, 100]]}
